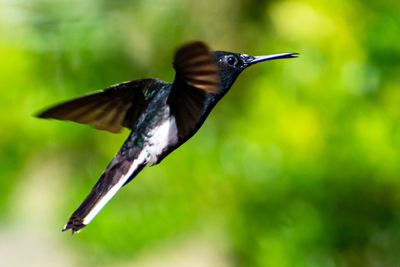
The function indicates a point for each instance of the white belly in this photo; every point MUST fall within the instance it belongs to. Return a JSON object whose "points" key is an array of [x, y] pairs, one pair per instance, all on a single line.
{"points": [[161, 137]]}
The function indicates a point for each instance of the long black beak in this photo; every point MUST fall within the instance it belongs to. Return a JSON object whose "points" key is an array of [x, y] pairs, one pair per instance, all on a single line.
{"points": [[252, 60]]}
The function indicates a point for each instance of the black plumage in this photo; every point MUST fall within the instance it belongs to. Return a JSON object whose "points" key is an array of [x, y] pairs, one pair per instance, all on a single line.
{"points": [[161, 115]]}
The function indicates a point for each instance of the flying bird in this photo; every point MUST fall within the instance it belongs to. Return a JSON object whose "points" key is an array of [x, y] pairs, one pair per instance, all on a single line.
{"points": [[161, 115]]}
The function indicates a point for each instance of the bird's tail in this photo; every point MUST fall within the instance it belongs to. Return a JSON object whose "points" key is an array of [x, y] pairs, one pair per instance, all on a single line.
{"points": [[113, 178]]}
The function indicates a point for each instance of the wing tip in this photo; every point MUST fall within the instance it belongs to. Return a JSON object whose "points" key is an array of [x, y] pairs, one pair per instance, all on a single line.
{"points": [[193, 45], [41, 115]]}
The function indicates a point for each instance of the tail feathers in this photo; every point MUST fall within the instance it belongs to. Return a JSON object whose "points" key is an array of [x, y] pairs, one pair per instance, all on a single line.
{"points": [[75, 224], [78, 219], [108, 185]]}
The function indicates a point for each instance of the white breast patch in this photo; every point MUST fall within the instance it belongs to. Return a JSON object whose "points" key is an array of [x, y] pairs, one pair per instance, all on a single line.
{"points": [[161, 137]]}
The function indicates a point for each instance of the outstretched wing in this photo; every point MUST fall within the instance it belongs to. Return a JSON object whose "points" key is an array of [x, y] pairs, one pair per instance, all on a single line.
{"points": [[196, 76], [110, 109]]}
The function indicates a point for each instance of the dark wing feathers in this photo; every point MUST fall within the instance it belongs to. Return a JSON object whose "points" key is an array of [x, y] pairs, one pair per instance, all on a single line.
{"points": [[110, 109], [195, 64], [196, 75], [122, 104]]}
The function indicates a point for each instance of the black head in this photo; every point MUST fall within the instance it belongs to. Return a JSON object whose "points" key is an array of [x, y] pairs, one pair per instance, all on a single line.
{"points": [[230, 65]]}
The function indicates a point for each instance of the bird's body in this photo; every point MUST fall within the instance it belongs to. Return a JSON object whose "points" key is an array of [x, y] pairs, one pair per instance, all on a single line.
{"points": [[162, 116]]}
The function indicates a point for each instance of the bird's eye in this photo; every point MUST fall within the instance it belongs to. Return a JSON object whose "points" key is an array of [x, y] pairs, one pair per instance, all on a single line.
{"points": [[231, 60]]}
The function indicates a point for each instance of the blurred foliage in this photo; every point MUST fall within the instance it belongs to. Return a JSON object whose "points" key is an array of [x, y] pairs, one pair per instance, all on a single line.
{"points": [[299, 165]]}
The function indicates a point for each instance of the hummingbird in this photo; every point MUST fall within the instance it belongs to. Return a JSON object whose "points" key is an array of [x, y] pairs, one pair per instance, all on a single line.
{"points": [[161, 115]]}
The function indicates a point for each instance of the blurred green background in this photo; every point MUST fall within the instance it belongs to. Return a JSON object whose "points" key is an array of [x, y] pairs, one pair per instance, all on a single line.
{"points": [[299, 165]]}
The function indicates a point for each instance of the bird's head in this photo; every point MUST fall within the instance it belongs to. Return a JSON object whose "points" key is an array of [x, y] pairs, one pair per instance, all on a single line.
{"points": [[230, 65]]}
